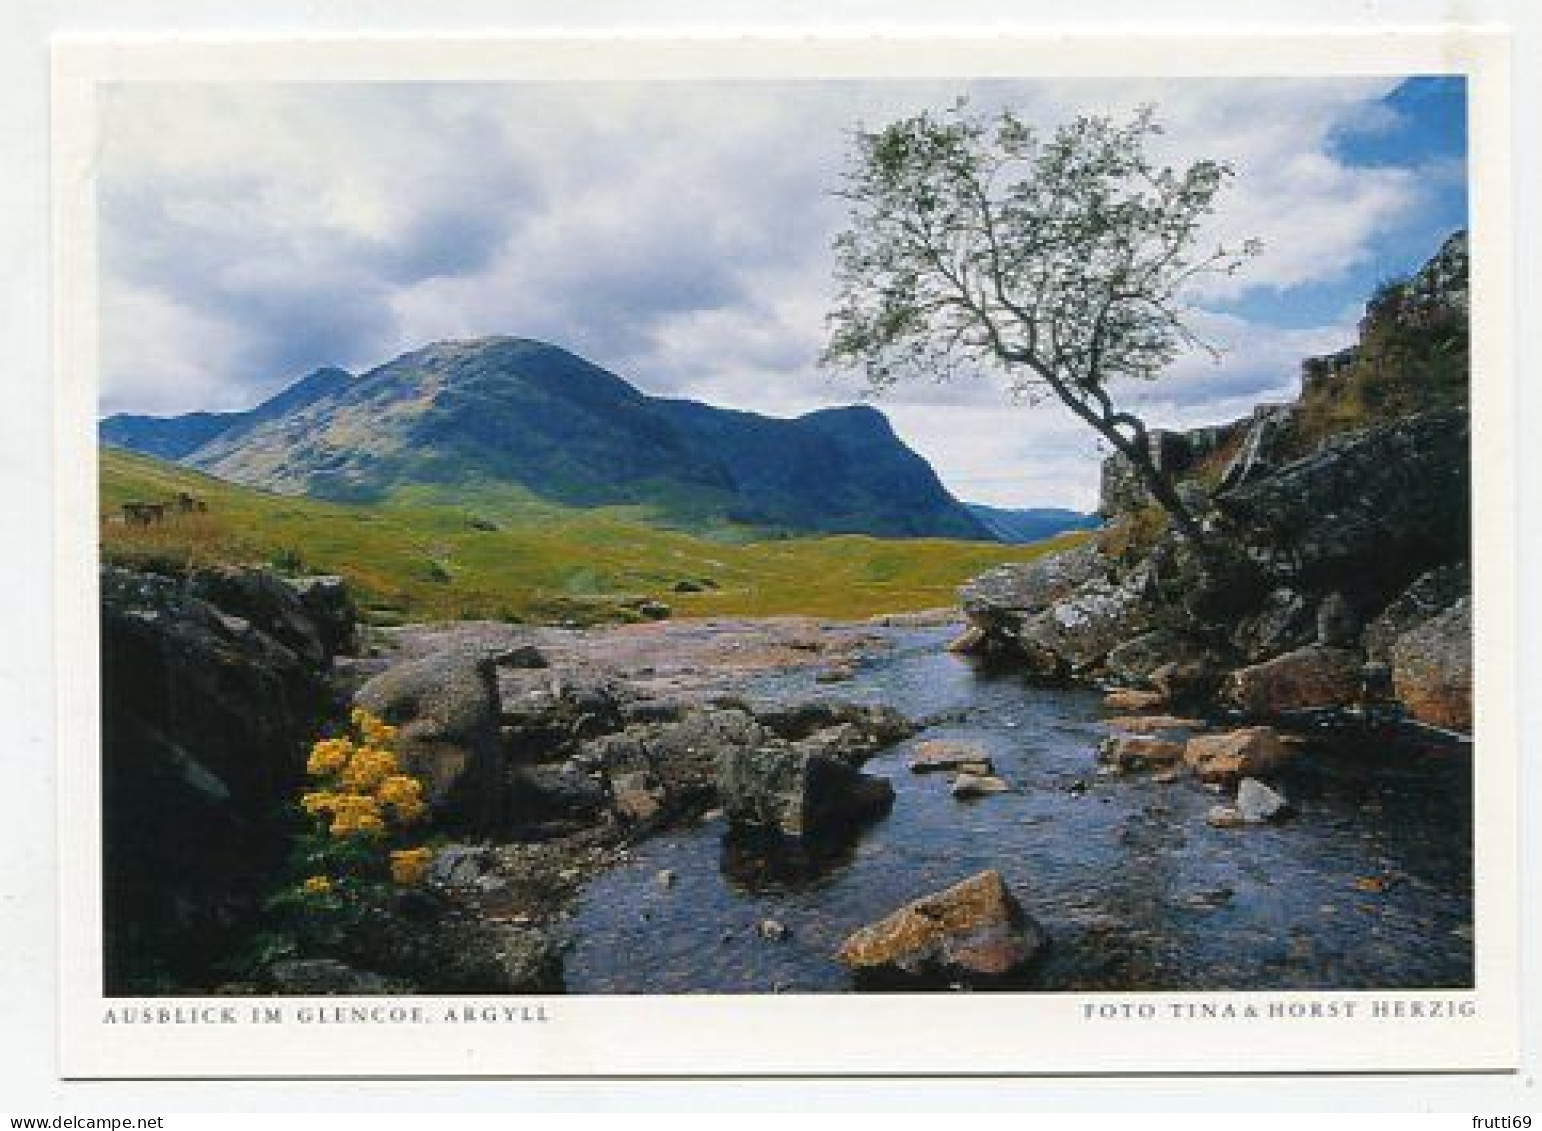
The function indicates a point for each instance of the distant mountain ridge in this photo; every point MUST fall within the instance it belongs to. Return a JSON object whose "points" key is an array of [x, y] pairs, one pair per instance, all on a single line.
{"points": [[1031, 524], [516, 411], [174, 437]]}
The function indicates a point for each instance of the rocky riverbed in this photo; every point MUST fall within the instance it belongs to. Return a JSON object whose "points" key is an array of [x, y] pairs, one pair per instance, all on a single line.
{"points": [[754, 806]]}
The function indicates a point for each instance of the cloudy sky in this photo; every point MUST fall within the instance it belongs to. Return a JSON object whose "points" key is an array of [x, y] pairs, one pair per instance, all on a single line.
{"points": [[678, 234]]}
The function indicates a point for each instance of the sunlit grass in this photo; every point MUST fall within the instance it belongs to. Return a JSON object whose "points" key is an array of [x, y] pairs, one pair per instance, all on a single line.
{"points": [[500, 552]]}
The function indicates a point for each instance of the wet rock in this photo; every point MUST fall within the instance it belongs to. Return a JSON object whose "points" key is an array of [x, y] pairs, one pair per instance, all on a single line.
{"points": [[1258, 803], [780, 788], [772, 930], [1139, 752], [1432, 669], [973, 933], [968, 787], [1229, 757], [1225, 817], [1309, 678], [841, 674], [1132, 699], [937, 755]]}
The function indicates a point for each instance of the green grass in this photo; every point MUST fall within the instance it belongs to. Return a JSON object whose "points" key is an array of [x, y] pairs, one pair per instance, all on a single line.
{"points": [[416, 556]]}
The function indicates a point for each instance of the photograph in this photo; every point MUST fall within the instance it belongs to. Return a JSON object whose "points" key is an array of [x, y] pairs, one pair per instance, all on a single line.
{"points": [[835, 534]]}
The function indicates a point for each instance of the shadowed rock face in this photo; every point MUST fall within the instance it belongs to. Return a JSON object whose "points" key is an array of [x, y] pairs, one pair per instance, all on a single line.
{"points": [[974, 933], [207, 714]]}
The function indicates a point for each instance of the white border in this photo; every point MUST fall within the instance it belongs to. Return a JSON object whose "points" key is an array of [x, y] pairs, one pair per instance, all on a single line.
{"points": [[752, 1035]]}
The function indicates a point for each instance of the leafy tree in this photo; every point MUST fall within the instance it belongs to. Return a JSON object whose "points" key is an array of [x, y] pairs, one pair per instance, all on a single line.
{"points": [[1060, 261]]}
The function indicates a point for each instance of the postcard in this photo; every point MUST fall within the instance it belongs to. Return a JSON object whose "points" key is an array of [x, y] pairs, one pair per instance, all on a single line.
{"points": [[759, 557]]}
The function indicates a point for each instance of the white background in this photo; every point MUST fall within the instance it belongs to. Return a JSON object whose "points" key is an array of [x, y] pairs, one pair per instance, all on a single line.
{"points": [[28, 1080]]}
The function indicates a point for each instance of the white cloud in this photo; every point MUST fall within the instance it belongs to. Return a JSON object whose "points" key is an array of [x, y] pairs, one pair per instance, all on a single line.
{"points": [[675, 234]]}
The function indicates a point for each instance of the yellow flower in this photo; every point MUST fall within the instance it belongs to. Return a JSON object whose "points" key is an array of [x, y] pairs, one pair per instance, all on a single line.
{"points": [[318, 803], [410, 865], [317, 885], [368, 768], [328, 756], [403, 796]]}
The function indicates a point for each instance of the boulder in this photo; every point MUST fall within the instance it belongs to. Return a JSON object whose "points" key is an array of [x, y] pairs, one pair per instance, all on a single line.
{"points": [[777, 787], [1249, 752], [1432, 669], [445, 706], [878, 725], [1029, 587], [941, 755], [974, 932], [1259, 803], [1139, 752], [969, 786], [1309, 678]]}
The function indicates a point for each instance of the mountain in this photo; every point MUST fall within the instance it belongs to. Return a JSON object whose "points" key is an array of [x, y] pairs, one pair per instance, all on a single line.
{"points": [[1030, 525], [174, 437], [462, 416]]}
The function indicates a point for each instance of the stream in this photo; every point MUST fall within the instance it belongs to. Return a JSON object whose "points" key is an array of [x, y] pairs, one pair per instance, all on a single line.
{"points": [[1369, 885]]}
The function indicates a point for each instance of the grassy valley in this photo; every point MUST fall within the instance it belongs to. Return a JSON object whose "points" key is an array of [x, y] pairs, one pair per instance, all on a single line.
{"points": [[500, 552]]}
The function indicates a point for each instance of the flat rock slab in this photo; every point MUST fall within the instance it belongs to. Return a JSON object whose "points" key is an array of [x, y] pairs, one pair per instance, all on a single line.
{"points": [[1151, 724], [938, 755], [1133, 699], [971, 933], [1139, 752]]}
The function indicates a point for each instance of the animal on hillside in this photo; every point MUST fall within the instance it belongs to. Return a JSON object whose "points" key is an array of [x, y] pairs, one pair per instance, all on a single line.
{"points": [[144, 514]]}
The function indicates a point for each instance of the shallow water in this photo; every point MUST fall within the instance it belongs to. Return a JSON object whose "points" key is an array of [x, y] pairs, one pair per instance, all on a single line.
{"points": [[1134, 888]]}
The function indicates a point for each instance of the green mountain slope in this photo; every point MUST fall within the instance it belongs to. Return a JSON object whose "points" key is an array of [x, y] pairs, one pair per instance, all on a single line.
{"points": [[502, 552], [514, 411]]}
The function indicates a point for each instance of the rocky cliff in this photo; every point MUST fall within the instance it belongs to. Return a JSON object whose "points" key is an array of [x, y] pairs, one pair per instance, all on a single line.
{"points": [[1340, 542]]}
